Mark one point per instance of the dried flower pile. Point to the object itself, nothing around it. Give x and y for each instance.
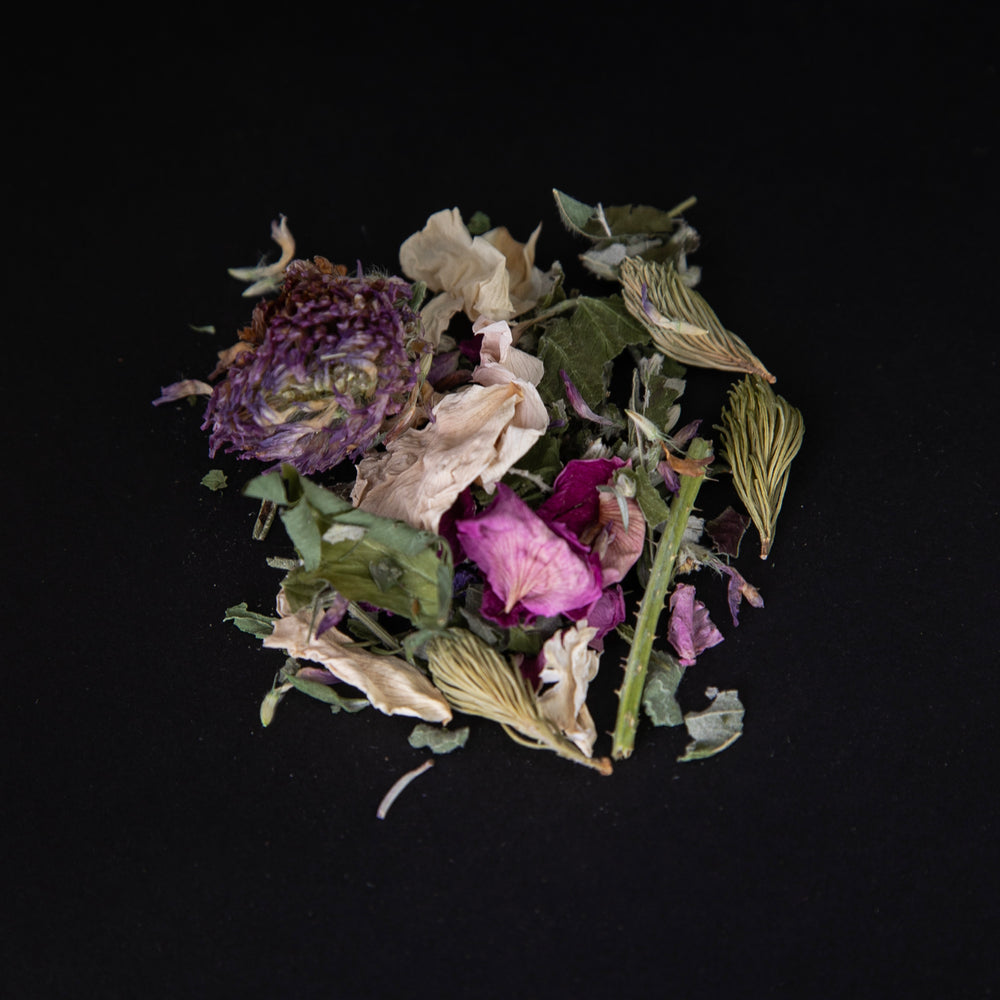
(472, 513)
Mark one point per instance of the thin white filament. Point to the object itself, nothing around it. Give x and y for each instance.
(397, 788)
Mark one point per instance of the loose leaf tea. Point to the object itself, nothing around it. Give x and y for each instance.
(478, 506)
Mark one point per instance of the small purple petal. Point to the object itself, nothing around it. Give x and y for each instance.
(686, 433)
(670, 478)
(605, 614)
(334, 615)
(690, 630)
(579, 404)
(737, 589)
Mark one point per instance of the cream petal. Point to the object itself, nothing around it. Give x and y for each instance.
(392, 685)
(477, 434)
(570, 666)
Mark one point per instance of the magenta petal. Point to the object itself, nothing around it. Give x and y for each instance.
(525, 561)
(690, 631)
(574, 500)
(605, 614)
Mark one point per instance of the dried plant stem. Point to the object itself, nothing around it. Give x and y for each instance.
(660, 578)
(761, 433)
(477, 680)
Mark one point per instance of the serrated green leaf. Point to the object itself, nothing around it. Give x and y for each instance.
(659, 695)
(438, 739)
(215, 479)
(249, 621)
(714, 728)
(583, 344)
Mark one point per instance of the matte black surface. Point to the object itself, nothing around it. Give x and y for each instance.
(161, 844)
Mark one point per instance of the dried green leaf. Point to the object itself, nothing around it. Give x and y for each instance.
(583, 345)
(680, 322)
(215, 479)
(761, 433)
(437, 738)
(714, 728)
(249, 621)
(367, 558)
(654, 508)
(659, 695)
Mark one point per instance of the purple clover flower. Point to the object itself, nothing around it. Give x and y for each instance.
(334, 356)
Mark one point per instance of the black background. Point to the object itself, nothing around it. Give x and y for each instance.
(161, 843)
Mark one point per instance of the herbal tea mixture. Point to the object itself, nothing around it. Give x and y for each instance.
(500, 515)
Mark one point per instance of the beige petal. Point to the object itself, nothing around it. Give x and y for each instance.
(497, 350)
(570, 666)
(392, 685)
(448, 258)
(477, 433)
(527, 283)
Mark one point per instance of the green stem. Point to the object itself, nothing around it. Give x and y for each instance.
(660, 578)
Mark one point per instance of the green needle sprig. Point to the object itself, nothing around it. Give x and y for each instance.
(761, 434)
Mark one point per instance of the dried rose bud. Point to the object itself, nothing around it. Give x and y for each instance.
(330, 358)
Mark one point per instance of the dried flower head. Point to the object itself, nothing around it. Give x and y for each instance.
(329, 359)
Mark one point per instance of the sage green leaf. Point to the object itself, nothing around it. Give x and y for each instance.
(215, 479)
(327, 694)
(659, 695)
(386, 573)
(366, 558)
(583, 345)
(714, 728)
(304, 533)
(249, 621)
(654, 508)
(269, 486)
(577, 216)
(438, 739)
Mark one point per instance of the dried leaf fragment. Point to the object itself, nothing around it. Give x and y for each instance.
(714, 728)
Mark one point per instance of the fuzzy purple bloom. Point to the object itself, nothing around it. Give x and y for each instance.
(690, 630)
(333, 358)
